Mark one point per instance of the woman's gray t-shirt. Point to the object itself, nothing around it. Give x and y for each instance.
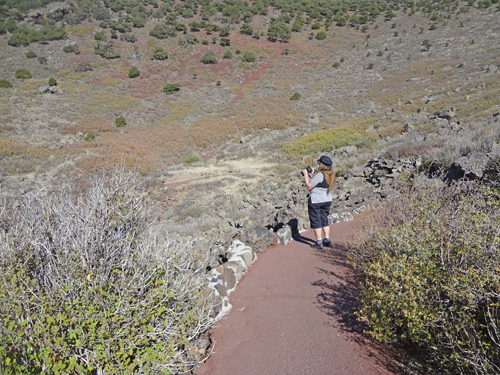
(319, 194)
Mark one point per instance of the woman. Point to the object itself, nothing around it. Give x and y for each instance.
(320, 200)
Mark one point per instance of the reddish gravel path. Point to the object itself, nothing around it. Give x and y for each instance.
(293, 314)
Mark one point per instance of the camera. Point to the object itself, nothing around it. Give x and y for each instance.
(309, 170)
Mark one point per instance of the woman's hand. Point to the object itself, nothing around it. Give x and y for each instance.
(306, 178)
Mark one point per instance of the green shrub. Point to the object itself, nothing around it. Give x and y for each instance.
(370, 66)
(225, 42)
(228, 55)
(208, 58)
(71, 48)
(204, 42)
(133, 72)
(30, 54)
(279, 30)
(171, 88)
(218, 83)
(42, 60)
(159, 53)
(90, 136)
(100, 36)
(433, 27)
(321, 35)
(327, 140)
(336, 64)
(430, 263)
(342, 59)
(248, 57)
(90, 289)
(237, 51)
(161, 31)
(106, 50)
(52, 82)
(128, 37)
(5, 84)
(316, 26)
(23, 74)
(191, 159)
(120, 122)
(23, 36)
(295, 96)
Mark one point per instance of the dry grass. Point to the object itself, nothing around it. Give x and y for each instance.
(107, 101)
(93, 123)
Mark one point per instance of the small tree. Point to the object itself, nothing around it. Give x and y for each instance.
(133, 72)
(246, 29)
(208, 58)
(248, 57)
(225, 42)
(22, 74)
(100, 36)
(321, 35)
(52, 82)
(159, 53)
(171, 88)
(316, 26)
(228, 55)
(120, 122)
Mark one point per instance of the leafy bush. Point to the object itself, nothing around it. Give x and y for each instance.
(218, 83)
(71, 48)
(327, 140)
(248, 57)
(336, 64)
(191, 159)
(128, 37)
(316, 26)
(23, 36)
(171, 88)
(100, 36)
(22, 74)
(228, 55)
(52, 82)
(91, 289)
(133, 72)
(370, 66)
(159, 53)
(225, 42)
(42, 60)
(204, 42)
(120, 122)
(246, 29)
(161, 31)
(279, 30)
(208, 58)
(5, 84)
(106, 50)
(295, 96)
(433, 27)
(90, 136)
(30, 54)
(430, 262)
(321, 35)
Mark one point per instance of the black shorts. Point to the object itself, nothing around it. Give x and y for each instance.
(318, 214)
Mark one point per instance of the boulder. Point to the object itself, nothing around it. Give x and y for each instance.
(471, 167)
(285, 235)
(259, 237)
(238, 250)
(447, 114)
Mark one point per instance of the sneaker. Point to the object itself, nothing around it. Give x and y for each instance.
(317, 246)
(327, 244)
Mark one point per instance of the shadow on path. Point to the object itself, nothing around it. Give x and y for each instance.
(338, 299)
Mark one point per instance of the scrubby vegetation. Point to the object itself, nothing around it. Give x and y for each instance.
(209, 58)
(430, 262)
(52, 82)
(120, 122)
(133, 72)
(30, 54)
(22, 74)
(86, 286)
(171, 88)
(5, 84)
(159, 53)
(190, 159)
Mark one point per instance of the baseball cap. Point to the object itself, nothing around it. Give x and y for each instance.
(325, 160)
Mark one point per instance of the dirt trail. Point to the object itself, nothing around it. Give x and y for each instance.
(293, 314)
